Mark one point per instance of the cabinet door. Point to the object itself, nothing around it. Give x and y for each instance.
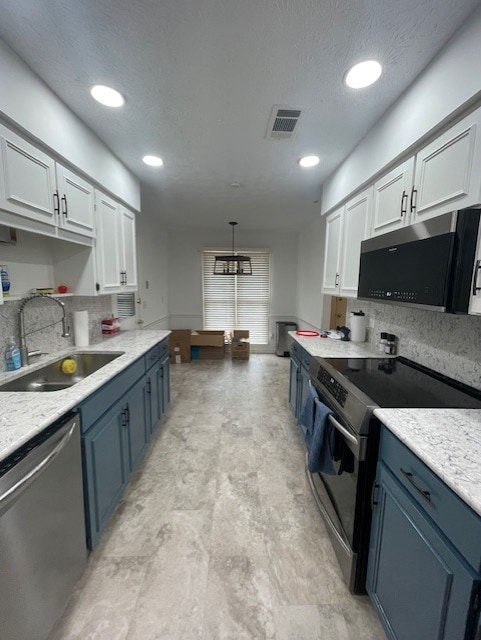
(294, 385)
(77, 205)
(154, 398)
(138, 434)
(332, 252)
(108, 244)
(303, 389)
(418, 583)
(128, 250)
(28, 182)
(105, 452)
(357, 220)
(391, 199)
(165, 383)
(448, 171)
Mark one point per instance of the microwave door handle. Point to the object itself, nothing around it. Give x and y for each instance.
(475, 277)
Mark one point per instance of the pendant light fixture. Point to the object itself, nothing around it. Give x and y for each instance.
(232, 265)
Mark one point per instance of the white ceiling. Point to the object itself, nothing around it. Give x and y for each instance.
(201, 77)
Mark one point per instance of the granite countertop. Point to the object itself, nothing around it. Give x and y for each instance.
(329, 348)
(24, 414)
(448, 441)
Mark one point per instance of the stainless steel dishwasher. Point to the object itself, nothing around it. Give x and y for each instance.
(42, 530)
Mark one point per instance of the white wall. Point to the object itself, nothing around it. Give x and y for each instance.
(448, 85)
(185, 281)
(31, 105)
(312, 306)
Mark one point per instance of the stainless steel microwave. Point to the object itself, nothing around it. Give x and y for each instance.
(428, 264)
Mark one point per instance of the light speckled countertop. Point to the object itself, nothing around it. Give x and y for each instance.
(24, 414)
(448, 441)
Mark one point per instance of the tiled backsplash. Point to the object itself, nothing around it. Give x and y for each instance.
(450, 344)
(40, 313)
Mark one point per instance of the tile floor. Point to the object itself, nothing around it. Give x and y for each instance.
(217, 536)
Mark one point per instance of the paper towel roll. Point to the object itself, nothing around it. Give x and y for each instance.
(81, 328)
(358, 326)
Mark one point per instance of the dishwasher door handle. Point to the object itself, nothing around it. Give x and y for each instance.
(15, 491)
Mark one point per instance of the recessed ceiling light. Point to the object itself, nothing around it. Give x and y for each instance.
(363, 74)
(153, 161)
(107, 96)
(309, 161)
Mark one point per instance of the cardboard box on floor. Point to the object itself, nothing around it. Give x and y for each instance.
(179, 346)
(201, 338)
(240, 347)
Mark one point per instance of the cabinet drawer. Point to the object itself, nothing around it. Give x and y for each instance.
(296, 350)
(305, 359)
(453, 516)
(151, 357)
(102, 399)
(163, 349)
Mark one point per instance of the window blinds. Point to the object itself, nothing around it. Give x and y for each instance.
(238, 302)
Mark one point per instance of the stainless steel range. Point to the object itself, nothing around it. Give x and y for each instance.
(352, 388)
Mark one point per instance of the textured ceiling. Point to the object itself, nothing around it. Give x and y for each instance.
(201, 77)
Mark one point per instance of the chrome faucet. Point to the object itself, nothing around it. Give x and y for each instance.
(24, 353)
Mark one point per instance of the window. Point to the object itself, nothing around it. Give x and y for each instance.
(238, 302)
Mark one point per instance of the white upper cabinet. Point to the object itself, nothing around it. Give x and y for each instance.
(40, 195)
(392, 195)
(115, 250)
(28, 181)
(357, 220)
(448, 170)
(129, 251)
(75, 202)
(443, 176)
(332, 252)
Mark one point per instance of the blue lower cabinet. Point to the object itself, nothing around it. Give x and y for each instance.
(294, 374)
(138, 433)
(105, 460)
(165, 382)
(117, 423)
(154, 397)
(419, 583)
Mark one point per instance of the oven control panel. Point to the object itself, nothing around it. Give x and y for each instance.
(335, 389)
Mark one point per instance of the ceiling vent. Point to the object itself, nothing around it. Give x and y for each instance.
(283, 122)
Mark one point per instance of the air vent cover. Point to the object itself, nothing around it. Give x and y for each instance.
(283, 122)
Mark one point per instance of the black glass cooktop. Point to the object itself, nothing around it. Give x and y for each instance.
(400, 383)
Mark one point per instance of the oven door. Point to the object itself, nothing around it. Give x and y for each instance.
(339, 497)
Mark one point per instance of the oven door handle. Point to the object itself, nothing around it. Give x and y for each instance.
(343, 430)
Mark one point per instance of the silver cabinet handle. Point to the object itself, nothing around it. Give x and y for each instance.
(19, 487)
(413, 202)
(64, 205)
(337, 279)
(475, 278)
(342, 430)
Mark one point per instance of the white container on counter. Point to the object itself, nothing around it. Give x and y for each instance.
(358, 321)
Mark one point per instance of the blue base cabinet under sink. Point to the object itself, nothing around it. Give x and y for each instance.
(425, 554)
(117, 424)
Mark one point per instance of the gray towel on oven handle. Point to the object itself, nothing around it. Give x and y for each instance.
(320, 441)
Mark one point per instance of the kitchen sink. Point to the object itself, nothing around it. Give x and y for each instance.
(51, 377)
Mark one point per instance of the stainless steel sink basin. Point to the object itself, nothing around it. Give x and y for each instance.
(51, 377)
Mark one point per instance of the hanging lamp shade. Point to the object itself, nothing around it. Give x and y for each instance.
(233, 264)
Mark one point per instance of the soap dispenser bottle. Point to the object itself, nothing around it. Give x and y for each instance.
(12, 355)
